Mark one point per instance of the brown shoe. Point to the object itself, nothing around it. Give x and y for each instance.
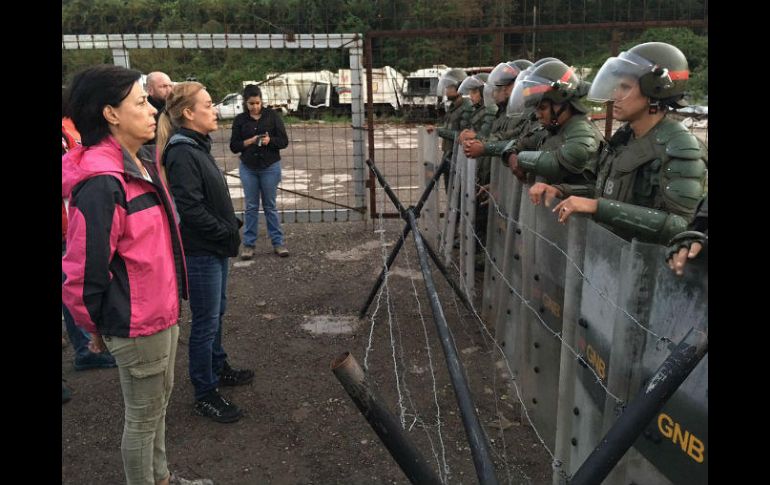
(281, 251)
(247, 252)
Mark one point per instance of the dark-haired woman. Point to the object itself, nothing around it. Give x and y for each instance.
(124, 265)
(258, 134)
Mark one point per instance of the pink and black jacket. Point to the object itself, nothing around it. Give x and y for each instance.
(124, 267)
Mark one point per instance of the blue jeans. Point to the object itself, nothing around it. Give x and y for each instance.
(261, 184)
(207, 281)
(79, 338)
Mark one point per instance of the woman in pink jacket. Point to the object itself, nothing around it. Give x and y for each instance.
(124, 265)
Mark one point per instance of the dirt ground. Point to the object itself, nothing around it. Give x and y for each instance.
(300, 427)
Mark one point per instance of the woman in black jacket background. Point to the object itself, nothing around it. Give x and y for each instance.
(209, 235)
(259, 135)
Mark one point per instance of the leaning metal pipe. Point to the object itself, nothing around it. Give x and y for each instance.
(408, 457)
(444, 271)
(479, 448)
(386, 187)
(400, 243)
(643, 408)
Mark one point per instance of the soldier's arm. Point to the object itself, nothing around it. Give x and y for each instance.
(447, 133)
(575, 155)
(579, 190)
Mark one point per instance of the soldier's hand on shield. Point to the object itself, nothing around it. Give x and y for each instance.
(513, 164)
(574, 204)
(473, 148)
(541, 189)
(467, 134)
(678, 260)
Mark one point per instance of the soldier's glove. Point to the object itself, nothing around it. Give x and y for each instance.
(685, 240)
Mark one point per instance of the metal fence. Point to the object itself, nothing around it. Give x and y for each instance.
(422, 55)
(584, 319)
(322, 167)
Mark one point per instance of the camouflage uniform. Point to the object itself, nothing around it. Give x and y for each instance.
(648, 188)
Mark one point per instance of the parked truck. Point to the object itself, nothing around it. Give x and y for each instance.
(420, 89)
(335, 92)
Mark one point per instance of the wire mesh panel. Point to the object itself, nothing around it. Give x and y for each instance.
(316, 93)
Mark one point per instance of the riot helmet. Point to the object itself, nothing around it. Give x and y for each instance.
(471, 82)
(660, 70)
(504, 74)
(451, 78)
(553, 81)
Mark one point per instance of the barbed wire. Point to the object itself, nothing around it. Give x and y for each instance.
(510, 371)
(444, 477)
(540, 319)
(603, 295)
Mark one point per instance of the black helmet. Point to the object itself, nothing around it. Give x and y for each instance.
(552, 80)
(660, 69)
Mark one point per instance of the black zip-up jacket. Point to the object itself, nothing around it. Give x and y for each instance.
(253, 156)
(207, 219)
(160, 106)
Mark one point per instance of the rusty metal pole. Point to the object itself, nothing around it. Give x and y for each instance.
(386, 187)
(407, 456)
(482, 460)
(498, 46)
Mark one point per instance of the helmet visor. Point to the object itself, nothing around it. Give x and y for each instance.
(527, 94)
(470, 83)
(451, 78)
(503, 74)
(618, 76)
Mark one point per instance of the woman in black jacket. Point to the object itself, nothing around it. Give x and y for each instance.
(259, 135)
(210, 236)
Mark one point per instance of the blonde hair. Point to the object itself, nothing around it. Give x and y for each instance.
(182, 97)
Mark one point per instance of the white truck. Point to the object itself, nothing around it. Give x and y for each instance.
(420, 88)
(230, 106)
(335, 92)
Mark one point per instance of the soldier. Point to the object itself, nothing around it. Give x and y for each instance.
(447, 86)
(567, 152)
(478, 117)
(653, 172)
(497, 90)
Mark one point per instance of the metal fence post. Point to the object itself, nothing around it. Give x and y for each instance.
(357, 112)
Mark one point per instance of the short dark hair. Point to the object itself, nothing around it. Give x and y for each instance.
(250, 91)
(90, 91)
